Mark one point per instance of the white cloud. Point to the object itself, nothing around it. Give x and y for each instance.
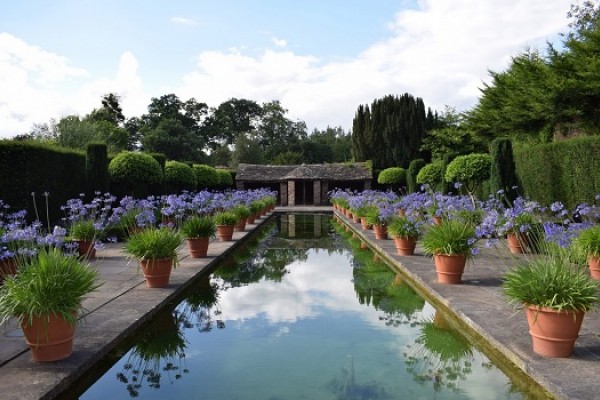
(183, 21)
(440, 52)
(38, 85)
(279, 42)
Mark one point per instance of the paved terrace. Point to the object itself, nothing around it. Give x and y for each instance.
(477, 306)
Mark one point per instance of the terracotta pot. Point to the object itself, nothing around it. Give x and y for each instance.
(225, 232)
(363, 245)
(86, 248)
(594, 264)
(380, 232)
(365, 224)
(241, 225)
(450, 267)
(50, 337)
(8, 266)
(356, 218)
(157, 271)
(250, 219)
(437, 220)
(553, 333)
(198, 247)
(348, 213)
(516, 242)
(405, 246)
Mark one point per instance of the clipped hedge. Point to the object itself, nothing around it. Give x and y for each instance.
(27, 168)
(395, 176)
(431, 174)
(225, 179)
(179, 176)
(503, 172)
(411, 176)
(206, 177)
(567, 171)
(132, 173)
(96, 169)
(470, 169)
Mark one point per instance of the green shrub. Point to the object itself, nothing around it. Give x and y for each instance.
(206, 176)
(178, 177)
(225, 178)
(135, 171)
(470, 170)
(394, 176)
(411, 176)
(430, 174)
(96, 168)
(503, 172)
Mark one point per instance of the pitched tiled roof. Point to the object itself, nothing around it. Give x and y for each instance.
(331, 172)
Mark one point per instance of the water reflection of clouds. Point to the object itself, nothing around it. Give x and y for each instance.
(323, 281)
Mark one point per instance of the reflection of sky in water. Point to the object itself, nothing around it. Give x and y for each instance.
(307, 337)
(323, 283)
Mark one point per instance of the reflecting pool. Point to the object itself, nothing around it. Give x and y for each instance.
(300, 314)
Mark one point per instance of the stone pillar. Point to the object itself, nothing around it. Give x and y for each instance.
(291, 188)
(283, 193)
(291, 225)
(317, 225)
(317, 193)
(324, 190)
(368, 184)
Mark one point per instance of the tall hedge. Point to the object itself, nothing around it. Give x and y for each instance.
(96, 169)
(567, 171)
(471, 170)
(411, 175)
(503, 175)
(27, 168)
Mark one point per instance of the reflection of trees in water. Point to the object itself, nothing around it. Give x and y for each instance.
(440, 355)
(201, 306)
(159, 350)
(377, 285)
(347, 387)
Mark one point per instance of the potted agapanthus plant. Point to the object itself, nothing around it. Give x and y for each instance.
(85, 234)
(197, 231)
(451, 244)
(555, 295)
(242, 212)
(378, 217)
(225, 222)
(405, 231)
(156, 250)
(46, 299)
(589, 243)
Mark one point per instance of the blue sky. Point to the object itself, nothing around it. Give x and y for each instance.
(320, 58)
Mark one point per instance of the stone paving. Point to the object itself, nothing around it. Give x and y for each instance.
(476, 306)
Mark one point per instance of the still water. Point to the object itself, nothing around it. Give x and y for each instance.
(301, 312)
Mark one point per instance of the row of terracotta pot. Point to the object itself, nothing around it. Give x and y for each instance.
(553, 333)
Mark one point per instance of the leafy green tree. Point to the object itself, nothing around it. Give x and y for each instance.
(75, 133)
(174, 127)
(276, 133)
(450, 137)
(110, 111)
(288, 158)
(247, 151)
(329, 145)
(231, 119)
